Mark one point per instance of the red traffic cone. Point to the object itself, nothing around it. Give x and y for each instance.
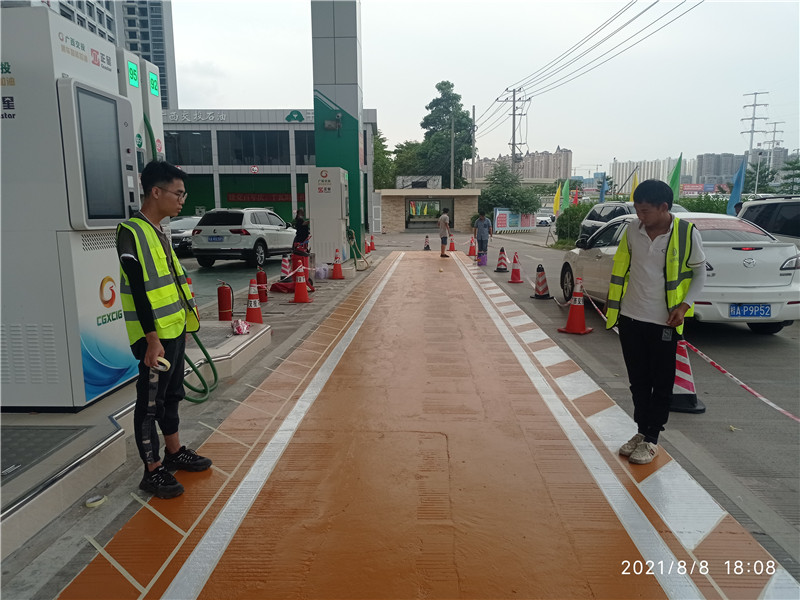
(337, 267)
(261, 282)
(285, 269)
(372, 243)
(473, 251)
(684, 395)
(427, 247)
(300, 287)
(366, 247)
(502, 262)
(253, 305)
(540, 290)
(576, 321)
(452, 247)
(516, 274)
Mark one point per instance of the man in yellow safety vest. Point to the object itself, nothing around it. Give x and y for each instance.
(159, 309)
(659, 269)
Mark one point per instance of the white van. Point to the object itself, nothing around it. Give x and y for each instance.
(779, 215)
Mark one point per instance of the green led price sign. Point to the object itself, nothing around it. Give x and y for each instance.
(154, 84)
(133, 74)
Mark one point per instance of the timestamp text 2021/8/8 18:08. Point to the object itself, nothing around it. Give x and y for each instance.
(683, 567)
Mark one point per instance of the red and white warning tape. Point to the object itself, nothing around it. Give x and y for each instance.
(718, 367)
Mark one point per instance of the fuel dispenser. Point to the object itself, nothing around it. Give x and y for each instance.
(327, 207)
(78, 122)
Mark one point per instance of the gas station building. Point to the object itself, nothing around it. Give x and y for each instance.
(254, 158)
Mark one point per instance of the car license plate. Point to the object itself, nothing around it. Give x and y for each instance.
(758, 311)
(215, 238)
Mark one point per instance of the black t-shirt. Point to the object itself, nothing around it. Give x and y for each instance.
(301, 225)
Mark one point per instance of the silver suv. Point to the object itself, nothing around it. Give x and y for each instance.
(778, 215)
(250, 234)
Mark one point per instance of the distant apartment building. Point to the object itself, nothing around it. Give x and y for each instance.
(145, 28)
(96, 17)
(718, 169)
(622, 171)
(535, 165)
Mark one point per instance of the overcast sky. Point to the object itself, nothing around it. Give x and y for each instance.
(680, 90)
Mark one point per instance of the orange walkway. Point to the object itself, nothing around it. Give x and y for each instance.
(423, 443)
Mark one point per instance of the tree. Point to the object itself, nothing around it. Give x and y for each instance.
(382, 165)
(790, 177)
(765, 177)
(408, 159)
(505, 191)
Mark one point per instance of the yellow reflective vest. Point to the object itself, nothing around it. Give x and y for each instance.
(677, 273)
(169, 302)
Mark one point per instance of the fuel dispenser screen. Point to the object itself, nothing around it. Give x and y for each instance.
(100, 147)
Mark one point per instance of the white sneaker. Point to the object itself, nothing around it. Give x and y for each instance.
(645, 452)
(628, 447)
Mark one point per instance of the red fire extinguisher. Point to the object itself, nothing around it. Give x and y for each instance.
(225, 301)
(261, 281)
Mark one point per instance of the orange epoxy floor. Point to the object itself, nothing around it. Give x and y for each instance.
(428, 467)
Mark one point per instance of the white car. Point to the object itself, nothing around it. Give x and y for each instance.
(751, 277)
(250, 234)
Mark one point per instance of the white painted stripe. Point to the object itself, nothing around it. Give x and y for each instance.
(114, 563)
(577, 384)
(614, 427)
(497, 299)
(548, 357)
(508, 308)
(685, 506)
(532, 335)
(781, 586)
(519, 320)
(194, 573)
(497, 292)
(641, 531)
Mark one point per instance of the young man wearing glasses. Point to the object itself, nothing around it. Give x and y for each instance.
(159, 310)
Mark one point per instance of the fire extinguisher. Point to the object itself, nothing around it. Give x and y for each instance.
(261, 281)
(225, 301)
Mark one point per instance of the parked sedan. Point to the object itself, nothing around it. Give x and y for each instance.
(751, 276)
(181, 233)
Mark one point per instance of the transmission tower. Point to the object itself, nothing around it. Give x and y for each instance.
(753, 120)
(774, 142)
(517, 98)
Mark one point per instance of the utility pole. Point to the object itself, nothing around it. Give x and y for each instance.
(753, 120)
(452, 150)
(473, 145)
(774, 142)
(514, 115)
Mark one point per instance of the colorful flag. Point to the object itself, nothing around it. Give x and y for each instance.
(738, 184)
(425, 209)
(575, 196)
(635, 183)
(411, 204)
(603, 189)
(557, 200)
(675, 180)
(565, 191)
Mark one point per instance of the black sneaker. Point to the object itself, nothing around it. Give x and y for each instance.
(161, 483)
(186, 459)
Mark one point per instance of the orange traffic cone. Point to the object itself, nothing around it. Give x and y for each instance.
(684, 395)
(372, 243)
(452, 247)
(253, 305)
(427, 247)
(366, 247)
(502, 262)
(576, 321)
(189, 283)
(261, 282)
(516, 275)
(337, 267)
(540, 290)
(285, 269)
(300, 287)
(472, 248)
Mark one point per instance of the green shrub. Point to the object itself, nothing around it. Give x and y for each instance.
(568, 223)
(705, 203)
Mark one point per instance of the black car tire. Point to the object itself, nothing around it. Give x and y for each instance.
(765, 328)
(205, 262)
(567, 282)
(259, 256)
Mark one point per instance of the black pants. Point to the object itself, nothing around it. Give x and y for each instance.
(483, 245)
(649, 352)
(157, 396)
